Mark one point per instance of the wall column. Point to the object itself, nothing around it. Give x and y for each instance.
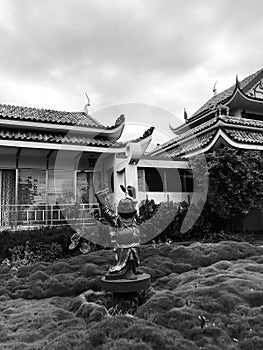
(0, 198)
(132, 176)
(16, 186)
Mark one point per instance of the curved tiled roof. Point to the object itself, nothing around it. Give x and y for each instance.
(48, 116)
(245, 136)
(58, 138)
(242, 121)
(238, 135)
(186, 134)
(66, 138)
(188, 146)
(222, 96)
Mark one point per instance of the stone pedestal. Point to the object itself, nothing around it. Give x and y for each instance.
(119, 286)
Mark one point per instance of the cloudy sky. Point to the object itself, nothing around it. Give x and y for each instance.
(147, 58)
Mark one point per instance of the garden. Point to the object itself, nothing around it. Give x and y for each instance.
(207, 285)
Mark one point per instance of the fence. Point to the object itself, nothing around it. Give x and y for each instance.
(14, 216)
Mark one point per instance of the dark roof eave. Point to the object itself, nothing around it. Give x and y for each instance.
(112, 132)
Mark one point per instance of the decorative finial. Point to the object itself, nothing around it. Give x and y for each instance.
(237, 82)
(148, 132)
(87, 104)
(120, 120)
(185, 116)
(214, 89)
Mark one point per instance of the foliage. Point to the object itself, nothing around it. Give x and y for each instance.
(46, 251)
(30, 253)
(235, 187)
(147, 209)
(45, 235)
(223, 287)
(165, 219)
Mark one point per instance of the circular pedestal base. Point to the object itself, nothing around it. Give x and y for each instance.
(142, 282)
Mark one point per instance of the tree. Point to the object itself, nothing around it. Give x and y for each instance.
(235, 187)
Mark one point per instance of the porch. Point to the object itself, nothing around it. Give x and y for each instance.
(38, 188)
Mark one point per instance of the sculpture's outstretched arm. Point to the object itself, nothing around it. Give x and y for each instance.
(106, 211)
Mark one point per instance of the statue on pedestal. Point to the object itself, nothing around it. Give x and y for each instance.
(124, 232)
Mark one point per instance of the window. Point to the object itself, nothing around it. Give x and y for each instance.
(187, 179)
(61, 188)
(31, 186)
(150, 180)
(173, 180)
(141, 179)
(164, 180)
(153, 180)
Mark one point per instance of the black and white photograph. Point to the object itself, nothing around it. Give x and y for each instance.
(131, 175)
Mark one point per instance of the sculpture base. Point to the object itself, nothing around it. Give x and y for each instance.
(142, 282)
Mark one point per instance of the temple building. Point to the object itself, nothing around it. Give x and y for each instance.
(52, 160)
(233, 117)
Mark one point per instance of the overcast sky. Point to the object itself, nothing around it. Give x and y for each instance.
(166, 54)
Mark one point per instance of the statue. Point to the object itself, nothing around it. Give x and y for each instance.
(124, 232)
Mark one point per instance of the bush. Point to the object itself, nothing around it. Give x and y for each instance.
(163, 220)
(45, 235)
(30, 253)
(46, 251)
(154, 218)
(235, 187)
(235, 190)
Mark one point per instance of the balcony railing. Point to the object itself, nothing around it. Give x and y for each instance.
(16, 216)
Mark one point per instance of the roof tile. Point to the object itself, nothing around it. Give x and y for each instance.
(48, 116)
(191, 145)
(219, 98)
(245, 136)
(53, 138)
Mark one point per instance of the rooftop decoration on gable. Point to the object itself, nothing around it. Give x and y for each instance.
(234, 117)
(244, 85)
(257, 90)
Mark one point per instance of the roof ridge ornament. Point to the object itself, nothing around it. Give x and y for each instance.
(237, 82)
(214, 89)
(86, 110)
(148, 132)
(120, 120)
(257, 90)
(185, 116)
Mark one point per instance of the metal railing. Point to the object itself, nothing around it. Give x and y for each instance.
(16, 216)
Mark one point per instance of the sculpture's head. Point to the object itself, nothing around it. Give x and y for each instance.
(127, 208)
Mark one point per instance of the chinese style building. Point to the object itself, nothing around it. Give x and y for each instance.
(52, 159)
(233, 117)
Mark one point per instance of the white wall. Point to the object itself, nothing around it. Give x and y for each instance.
(131, 178)
(159, 197)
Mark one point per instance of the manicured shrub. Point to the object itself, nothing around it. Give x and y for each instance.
(45, 235)
(30, 253)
